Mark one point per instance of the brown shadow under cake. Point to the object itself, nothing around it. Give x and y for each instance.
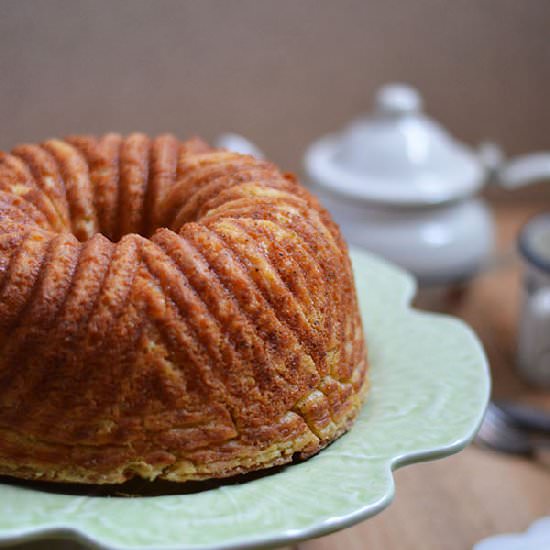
(138, 487)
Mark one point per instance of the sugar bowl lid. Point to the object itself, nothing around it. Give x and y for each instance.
(395, 156)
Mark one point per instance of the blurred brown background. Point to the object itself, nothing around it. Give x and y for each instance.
(280, 72)
(283, 72)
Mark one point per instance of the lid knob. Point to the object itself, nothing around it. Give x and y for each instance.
(397, 99)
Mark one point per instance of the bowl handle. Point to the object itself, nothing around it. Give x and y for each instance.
(524, 170)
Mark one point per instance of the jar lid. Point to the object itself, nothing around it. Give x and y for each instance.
(395, 156)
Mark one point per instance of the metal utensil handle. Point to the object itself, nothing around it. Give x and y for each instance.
(526, 416)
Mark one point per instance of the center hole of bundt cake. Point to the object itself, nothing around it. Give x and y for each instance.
(112, 185)
(123, 213)
(126, 223)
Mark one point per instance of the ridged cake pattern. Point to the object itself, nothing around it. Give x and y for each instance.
(168, 310)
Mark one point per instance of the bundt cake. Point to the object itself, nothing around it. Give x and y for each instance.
(168, 310)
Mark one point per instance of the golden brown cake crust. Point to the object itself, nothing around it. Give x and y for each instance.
(168, 310)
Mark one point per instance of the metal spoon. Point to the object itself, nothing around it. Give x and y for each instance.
(502, 434)
(524, 416)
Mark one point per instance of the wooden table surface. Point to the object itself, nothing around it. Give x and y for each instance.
(452, 503)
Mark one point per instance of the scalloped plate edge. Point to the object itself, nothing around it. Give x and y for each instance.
(404, 293)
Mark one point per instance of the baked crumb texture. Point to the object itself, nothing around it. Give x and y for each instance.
(168, 310)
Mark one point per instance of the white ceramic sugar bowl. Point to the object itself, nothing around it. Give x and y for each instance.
(399, 185)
